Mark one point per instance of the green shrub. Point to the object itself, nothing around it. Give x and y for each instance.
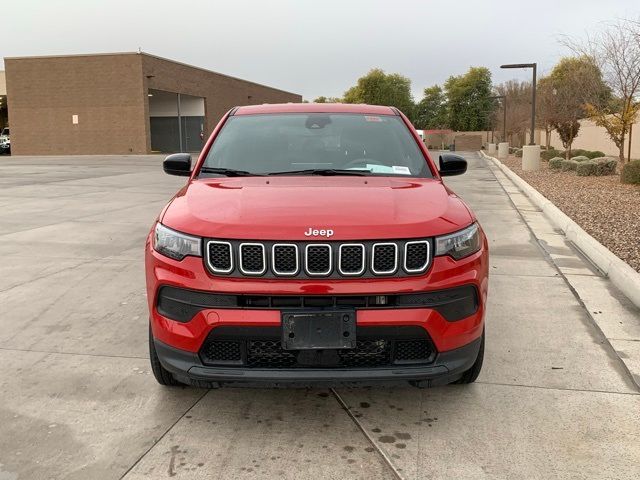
(569, 165)
(597, 167)
(518, 152)
(549, 154)
(631, 172)
(580, 158)
(586, 169)
(595, 154)
(556, 163)
(578, 152)
(605, 166)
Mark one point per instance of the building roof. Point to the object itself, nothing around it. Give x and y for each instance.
(147, 55)
(315, 108)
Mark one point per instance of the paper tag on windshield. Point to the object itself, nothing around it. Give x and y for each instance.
(401, 170)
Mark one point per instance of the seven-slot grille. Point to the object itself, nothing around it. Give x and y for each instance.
(318, 260)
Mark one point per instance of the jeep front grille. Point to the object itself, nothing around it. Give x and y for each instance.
(269, 259)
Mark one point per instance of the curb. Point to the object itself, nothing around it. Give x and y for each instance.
(625, 278)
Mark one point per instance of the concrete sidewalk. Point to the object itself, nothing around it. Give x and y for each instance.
(608, 287)
(77, 399)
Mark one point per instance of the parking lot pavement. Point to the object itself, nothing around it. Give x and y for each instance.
(77, 399)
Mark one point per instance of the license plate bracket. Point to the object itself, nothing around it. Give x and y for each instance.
(319, 330)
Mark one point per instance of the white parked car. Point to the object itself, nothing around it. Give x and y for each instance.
(5, 141)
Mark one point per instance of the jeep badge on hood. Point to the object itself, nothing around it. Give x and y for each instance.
(312, 232)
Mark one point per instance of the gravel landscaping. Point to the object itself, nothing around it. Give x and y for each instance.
(607, 209)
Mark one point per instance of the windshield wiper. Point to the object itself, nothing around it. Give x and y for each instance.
(230, 172)
(323, 171)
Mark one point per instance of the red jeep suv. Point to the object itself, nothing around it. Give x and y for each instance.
(316, 243)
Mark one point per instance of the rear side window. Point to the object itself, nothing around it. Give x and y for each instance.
(372, 144)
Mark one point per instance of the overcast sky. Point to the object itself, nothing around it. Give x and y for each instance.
(313, 47)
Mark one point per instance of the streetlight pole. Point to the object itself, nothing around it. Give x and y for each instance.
(533, 106)
(504, 114)
(533, 94)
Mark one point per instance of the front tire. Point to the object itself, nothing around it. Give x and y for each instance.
(162, 375)
(471, 375)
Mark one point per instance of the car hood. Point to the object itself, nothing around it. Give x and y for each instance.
(283, 208)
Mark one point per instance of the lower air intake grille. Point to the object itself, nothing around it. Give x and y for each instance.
(412, 351)
(221, 351)
(260, 347)
(268, 354)
(368, 353)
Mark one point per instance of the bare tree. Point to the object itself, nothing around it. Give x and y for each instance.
(545, 108)
(518, 96)
(616, 51)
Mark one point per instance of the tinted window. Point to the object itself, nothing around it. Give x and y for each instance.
(373, 144)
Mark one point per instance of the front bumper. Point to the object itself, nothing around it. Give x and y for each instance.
(188, 368)
(181, 328)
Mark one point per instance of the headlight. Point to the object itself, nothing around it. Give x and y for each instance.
(459, 244)
(174, 244)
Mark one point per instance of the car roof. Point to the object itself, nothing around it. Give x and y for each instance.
(315, 108)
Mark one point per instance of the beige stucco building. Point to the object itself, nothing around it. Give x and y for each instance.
(3, 101)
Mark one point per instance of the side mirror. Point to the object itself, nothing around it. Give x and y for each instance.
(177, 164)
(451, 164)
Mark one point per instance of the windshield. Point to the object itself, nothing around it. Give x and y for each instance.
(5, 132)
(316, 143)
